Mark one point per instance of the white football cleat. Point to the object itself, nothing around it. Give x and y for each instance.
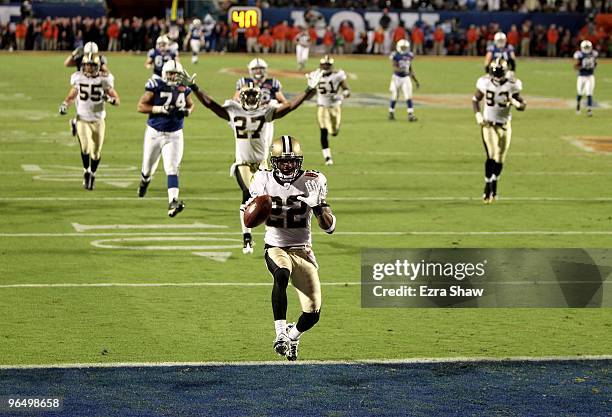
(329, 161)
(247, 247)
(281, 344)
(292, 351)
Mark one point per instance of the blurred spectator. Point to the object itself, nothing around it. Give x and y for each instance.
(472, 38)
(513, 37)
(379, 39)
(21, 32)
(251, 34)
(113, 35)
(348, 35)
(418, 37)
(329, 40)
(438, 37)
(552, 37)
(399, 33)
(280, 34)
(266, 41)
(526, 38)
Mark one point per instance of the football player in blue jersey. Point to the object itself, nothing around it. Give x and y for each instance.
(167, 103)
(500, 49)
(585, 61)
(194, 38)
(403, 73)
(158, 56)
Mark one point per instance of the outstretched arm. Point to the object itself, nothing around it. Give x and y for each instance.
(478, 96)
(413, 76)
(63, 109)
(287, 107)
(112, 97)
(205, 99)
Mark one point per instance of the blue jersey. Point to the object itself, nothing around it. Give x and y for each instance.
(586, 62)
(164, 94)
(195, 32)
(506, 53)
(402, 63)
(269, 87)
(159, 59)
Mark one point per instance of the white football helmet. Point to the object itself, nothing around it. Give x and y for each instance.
(586, 46)
(162, 43)
(90, 48)
(258, 69)
(197, 22)
(499, 39)
(171, 72)
(402, 46)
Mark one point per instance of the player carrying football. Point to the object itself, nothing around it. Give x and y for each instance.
(500, 93)
(91, 88)
(247, 118)
(158, 56)
(329, 100)
(403, 72)
(271, 92)
(167, 103)
(585, 61)
(296, 195)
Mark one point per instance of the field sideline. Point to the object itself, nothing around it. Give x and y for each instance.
(393, 185)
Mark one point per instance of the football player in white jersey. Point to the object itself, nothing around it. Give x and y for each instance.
(585, 61)
(248, 119)
(91, 89)
(329, 100)
(271, 92)
(302, 47)
(296, 195)
(500, 93)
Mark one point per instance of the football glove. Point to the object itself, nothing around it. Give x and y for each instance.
(314, 194)
(188, 80)
(110, 100)
(63, 108)
(479, 118)
(518, 104)
(184, 111)
(313, 79)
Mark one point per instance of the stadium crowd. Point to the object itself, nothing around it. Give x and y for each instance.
(443, 38)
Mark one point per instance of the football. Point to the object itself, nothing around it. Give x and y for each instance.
(257, 211)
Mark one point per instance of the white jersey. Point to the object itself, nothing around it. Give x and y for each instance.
(290, 220)
(303, 39)
(497, 97)
(328, 91)
(90, 99)
(250, 128)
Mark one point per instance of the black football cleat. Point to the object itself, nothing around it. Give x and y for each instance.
(412, 117)
(175, 207)
(86, 176)
(247, 247)
(91, 183)
(142, 188)
(391, 115)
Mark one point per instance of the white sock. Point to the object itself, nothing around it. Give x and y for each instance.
(244, 228)
(410, 110)
(326, 153)
(172, 194)
(391, 110)
(294, 334)
(279, 326)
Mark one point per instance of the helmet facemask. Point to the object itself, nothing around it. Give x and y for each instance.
(258, 73)
(586, 47)
(500, 40)
(171, 77)
(91, 65)
(250, 97)
(498, 69)
(402, 46)
(287, 166)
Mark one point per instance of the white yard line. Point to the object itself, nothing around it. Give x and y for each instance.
(410, 361)
(335, 198)
(167, 236)
(158, 284)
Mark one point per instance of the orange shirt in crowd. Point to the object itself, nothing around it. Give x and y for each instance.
(328, 38)
(20, 31)
(439, 35)
(417, 36)
(280, 31)
(348, 34)
(472, 35)
(552, 35)
(266, 40)
(113, 31)
(379, 36)
(513, 37)
(312, 32)
(292, 33)
(399, 33)
(251, 32)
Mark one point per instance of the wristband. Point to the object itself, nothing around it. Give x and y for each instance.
(194, 88)
(317, 210)
(158, 110)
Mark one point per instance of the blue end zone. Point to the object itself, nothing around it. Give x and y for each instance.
(565, 388)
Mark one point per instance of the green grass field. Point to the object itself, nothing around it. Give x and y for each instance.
(421, 181)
